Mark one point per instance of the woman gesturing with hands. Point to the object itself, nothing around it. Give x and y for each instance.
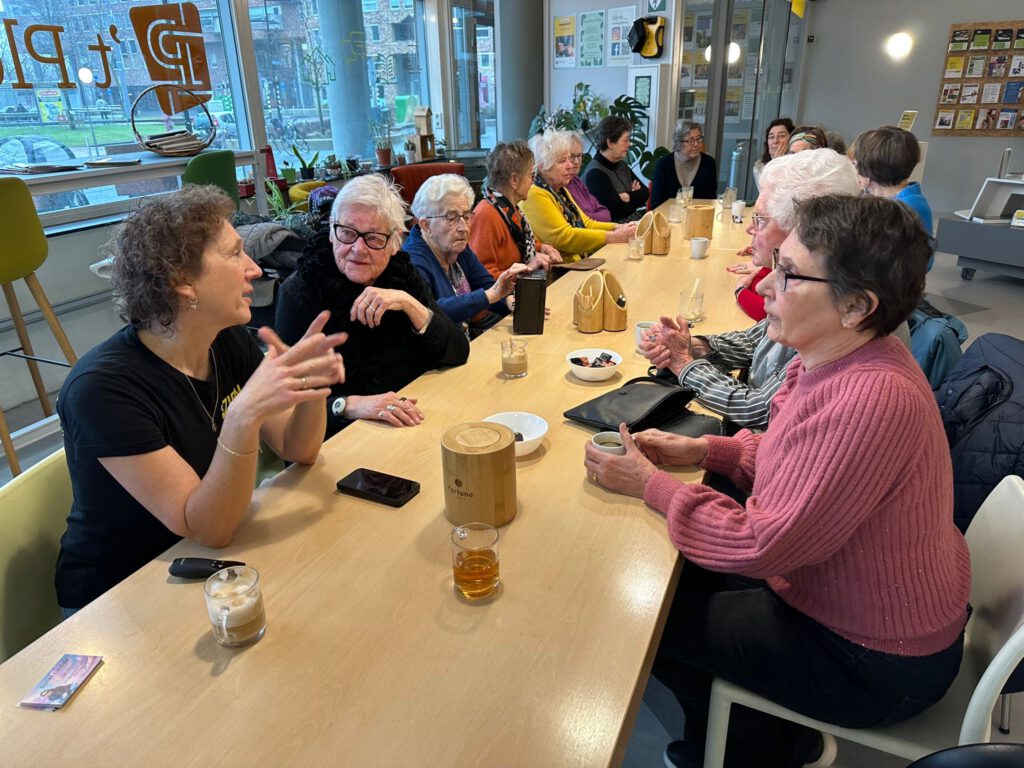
(163, 421)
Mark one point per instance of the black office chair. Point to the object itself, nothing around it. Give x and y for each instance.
(989, 755)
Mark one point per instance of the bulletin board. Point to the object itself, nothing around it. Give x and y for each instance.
(982, 88)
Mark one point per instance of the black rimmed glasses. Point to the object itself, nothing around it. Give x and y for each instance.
(453, 217)
(760, 222)
(576, 157)
(375, 241)
(782, 277)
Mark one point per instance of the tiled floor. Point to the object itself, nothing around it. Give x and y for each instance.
(989, 303)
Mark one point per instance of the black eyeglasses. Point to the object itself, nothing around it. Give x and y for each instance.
(782, 277)
(375, 241)
(452, 217)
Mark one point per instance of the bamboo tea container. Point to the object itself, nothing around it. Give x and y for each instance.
(614, 314)
(700, 220)
(661, 235)
(645, 230)
(588, 304)
(478, 461)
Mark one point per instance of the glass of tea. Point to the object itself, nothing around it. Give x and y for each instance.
(475, 560)
(234, 603)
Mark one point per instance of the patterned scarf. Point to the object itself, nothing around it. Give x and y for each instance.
(565, 202)
(517, 224)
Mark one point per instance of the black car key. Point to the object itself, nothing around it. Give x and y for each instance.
(199, 567)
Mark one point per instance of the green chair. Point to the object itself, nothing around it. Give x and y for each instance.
(217, 168)
(22, 251)
(33, 513)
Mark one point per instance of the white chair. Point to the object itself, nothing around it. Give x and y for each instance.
(993, 647)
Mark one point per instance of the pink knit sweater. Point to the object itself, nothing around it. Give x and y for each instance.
(850, 516)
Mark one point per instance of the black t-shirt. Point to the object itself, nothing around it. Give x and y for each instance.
(123, 400)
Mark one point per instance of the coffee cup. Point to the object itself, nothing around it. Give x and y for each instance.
(699, 247)
(234, 603)
(641, 332)
(738, 209)
(609, 442)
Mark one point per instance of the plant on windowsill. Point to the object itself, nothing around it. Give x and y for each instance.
(246, 187)
(306, 167)
(380, 131)
(410, 151)
(288, 173)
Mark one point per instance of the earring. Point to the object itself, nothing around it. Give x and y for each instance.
(193, 303)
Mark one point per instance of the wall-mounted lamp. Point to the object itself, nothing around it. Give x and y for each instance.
(898, 46)
(734, 53)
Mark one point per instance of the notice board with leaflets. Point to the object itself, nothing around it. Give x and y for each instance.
(981, 92)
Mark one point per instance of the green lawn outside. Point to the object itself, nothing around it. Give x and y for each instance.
(81, 135)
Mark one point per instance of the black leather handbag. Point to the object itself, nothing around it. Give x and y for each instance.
(644, 403)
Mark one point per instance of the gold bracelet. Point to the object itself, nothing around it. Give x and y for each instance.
(257, 449)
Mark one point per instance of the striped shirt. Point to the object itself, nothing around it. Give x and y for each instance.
(744, 404)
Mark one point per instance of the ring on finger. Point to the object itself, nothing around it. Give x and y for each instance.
(403, 399)
(381, 415)
(391, 408)
(302, 382)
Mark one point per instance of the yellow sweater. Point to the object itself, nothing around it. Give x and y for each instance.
(549, 225)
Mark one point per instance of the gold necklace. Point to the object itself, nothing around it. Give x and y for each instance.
(216, 392)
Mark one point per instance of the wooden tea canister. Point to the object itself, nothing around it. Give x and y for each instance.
(700, 220)
(478, 460)
(661, 236)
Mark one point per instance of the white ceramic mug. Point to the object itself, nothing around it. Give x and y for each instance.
(699, 247)
(738, 209)
(640, 330)
(609, 442)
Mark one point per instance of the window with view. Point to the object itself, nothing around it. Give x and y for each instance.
(67, 92)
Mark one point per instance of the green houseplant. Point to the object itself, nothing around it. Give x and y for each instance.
(380, 131)
(306, 167)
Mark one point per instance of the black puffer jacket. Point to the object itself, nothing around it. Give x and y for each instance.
(982, 405)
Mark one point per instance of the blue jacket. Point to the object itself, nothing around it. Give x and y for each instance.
(912, 196)
(459, 308)
(935, 340)
(982, 407)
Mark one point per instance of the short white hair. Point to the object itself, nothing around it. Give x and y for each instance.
(430, 197)
(549, 146)
(377, 193)
(788, 179)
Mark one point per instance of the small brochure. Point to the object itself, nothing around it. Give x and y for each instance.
(33, 168)
(1018, 218)
(1002, 40)
(1007, 120)
(959, 40)
(965, 119)
(975, 66)
(981, 39)
(60, 683)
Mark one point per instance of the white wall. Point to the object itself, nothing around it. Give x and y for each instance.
(850, 85)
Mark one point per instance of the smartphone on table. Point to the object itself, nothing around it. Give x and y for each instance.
(377, 486)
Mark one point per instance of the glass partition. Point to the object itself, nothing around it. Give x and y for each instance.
(473, 74)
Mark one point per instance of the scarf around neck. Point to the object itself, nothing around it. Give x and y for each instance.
(565, 203)
(517, 224)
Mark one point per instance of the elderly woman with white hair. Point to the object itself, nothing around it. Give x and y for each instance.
(553, 213)
(438, 245)
(396, 331)
(703, 363)
(686, 166)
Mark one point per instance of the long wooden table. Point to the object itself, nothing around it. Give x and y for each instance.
(369, 658)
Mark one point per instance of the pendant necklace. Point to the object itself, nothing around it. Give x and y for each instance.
(216, 392)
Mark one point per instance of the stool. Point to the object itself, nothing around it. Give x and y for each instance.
(22, 251)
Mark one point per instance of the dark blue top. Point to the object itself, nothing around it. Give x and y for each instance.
(459, 308)
(665, 182)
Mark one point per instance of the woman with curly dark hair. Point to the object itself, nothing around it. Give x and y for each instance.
(776, 142)
(162, 421)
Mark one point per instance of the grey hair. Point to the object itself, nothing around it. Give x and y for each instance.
(683, 128)
(430, 197)
(548, 146)
(791, 178)
(377, 193)
(506, 160)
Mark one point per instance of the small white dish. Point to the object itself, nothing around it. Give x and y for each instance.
(593, 374)
(529, 425)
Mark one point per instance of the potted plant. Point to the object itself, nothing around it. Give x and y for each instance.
(353, 163)
(410, 150)
(246, 187)
(306, 167)
(380, 130)
(288, 173)
(332, 167)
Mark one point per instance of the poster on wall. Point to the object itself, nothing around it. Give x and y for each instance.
(686, 70)
(619, 22)
(565, 42)
(592, 39)
(944, 120)
(642, 85)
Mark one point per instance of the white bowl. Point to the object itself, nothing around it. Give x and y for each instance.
(593, 374)
(531, 427)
